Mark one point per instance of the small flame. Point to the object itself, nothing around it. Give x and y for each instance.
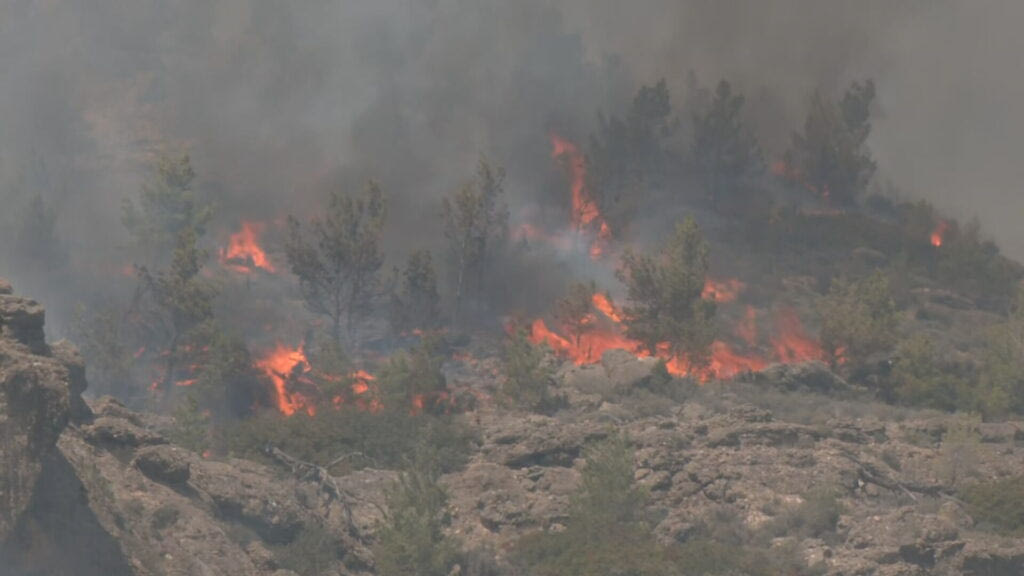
(939, 233)
(602, 303)
(279, 365)
(243, 253)
(722, 291)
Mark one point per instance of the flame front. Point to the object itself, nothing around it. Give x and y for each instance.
(791, 342)
(243, 253)
(607, 331)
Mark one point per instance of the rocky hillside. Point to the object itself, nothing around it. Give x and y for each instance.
(98, 489)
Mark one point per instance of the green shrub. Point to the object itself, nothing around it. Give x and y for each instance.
(385, 439)
(605, 533)
(528, 375)
(998, 505)
(313, 552)
(191, 428)
(411, 541)
(921, 378)
(858, 318)
(705, 557)
(414, 379)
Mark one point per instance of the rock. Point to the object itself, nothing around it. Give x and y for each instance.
(164, 464)
(21, 321)
(999, 432)
(69, 356)
(34, 405)
(252, 495)
(625, 371)
(813, 376)
(112, 431)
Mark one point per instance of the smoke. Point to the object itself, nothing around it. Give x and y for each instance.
(279, 102)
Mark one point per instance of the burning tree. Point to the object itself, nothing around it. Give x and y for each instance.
(417, 307)
(415, 378)
(665, 294)
(575, 311)
(167, 207)
(724, 150)
(475, 225)
(338, 270)
(831, 155)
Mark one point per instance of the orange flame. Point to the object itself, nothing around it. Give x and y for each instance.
(280, 365)
(585, 217)
(602, 303)
(939, 233)
(243, 253)
(791, 341)
(747, 329)
(722, 291)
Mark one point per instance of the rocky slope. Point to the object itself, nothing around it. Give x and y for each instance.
(99, 489)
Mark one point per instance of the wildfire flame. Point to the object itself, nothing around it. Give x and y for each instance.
(607, 331)
(243, 253)
(747, 329)
(722, 291)
(585, 217)
(791, 342)
(939, 233)
(280, 365)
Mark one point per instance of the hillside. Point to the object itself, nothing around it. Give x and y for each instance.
(791, 460)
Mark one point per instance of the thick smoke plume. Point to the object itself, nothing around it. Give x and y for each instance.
(279, 102)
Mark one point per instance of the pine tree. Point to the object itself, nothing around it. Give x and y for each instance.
(338, 269)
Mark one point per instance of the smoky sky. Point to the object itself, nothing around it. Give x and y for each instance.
(278, 102)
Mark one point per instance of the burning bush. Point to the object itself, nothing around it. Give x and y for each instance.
(665, 294)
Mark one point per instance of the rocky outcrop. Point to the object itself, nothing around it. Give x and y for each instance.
(97, 489)
(35, 389)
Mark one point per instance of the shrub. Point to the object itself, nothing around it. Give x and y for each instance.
(858, 318)
(411, 541)
(998, 505)
(528, 375)
(921, 379)
(191, 428)
(385, 439)
(415, 378)
(605, 533)
(311, 553)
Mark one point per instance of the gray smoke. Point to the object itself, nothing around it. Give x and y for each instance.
(278, 102)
